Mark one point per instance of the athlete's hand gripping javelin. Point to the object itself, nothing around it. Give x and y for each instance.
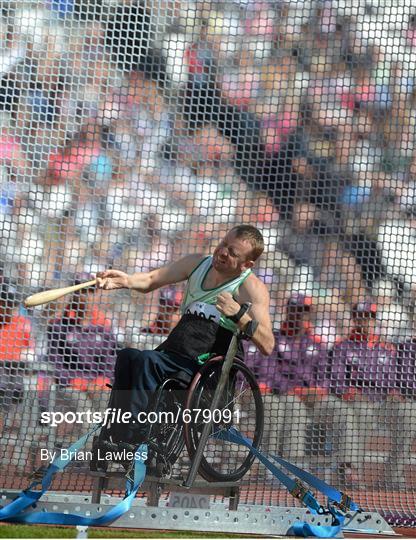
(112, 279)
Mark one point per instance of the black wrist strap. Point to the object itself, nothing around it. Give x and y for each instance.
(250, 329)
(242, 311)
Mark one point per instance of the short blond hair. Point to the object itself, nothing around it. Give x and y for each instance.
(252, 235)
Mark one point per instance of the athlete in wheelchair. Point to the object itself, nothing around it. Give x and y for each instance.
(183, 372)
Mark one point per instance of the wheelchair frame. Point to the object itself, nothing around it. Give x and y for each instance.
(227, 365)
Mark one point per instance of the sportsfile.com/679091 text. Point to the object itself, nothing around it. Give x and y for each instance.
(116, 416)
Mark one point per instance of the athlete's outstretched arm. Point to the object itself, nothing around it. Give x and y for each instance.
(149, 281)
(255, 291)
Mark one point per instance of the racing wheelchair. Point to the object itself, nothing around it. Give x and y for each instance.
(222, 394)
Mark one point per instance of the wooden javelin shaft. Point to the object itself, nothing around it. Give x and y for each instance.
(53, 294)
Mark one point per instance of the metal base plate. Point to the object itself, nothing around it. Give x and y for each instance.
(256, 519)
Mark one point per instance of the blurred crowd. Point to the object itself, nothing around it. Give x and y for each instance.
(133, 133)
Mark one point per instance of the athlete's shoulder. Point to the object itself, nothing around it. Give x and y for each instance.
(194, 261)
(254, 286)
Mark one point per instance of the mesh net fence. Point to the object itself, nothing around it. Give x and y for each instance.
(134, 133)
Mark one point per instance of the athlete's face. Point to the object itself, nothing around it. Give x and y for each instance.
(233, 255)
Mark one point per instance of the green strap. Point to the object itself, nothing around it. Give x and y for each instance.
(202, 358)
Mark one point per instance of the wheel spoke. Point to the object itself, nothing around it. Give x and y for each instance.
(222, 459)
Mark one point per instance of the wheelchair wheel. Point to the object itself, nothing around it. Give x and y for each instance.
(241, 405)
(165, 439)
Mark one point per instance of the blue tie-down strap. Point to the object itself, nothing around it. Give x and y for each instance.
(295, 488)
(29, 497)
(13, 511)
(340, 499)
